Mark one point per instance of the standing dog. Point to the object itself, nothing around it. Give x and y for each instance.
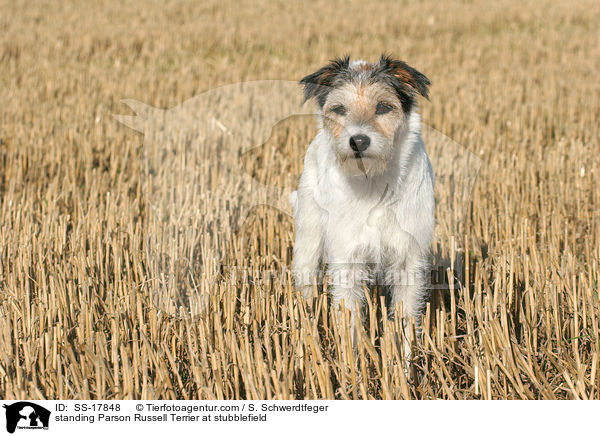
(364, 204)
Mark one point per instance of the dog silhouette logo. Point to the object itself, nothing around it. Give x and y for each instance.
(26, 415)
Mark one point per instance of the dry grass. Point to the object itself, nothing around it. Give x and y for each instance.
(90, 238)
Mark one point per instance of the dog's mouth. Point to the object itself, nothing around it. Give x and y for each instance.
(358, 157)
(357, 164)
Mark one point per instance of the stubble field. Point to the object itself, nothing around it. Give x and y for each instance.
(156, 264)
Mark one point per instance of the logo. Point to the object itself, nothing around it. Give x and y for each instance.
(26, 415)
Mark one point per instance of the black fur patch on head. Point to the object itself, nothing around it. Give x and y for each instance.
(404, 79)
(318, 84)
(401, 77)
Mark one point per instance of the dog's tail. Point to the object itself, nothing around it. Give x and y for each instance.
(294, 201)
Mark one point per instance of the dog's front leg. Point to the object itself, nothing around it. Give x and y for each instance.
(404, 266)
(347, 292)
(407, 286)
(308, 244)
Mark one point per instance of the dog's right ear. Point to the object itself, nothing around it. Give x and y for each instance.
(318, 84)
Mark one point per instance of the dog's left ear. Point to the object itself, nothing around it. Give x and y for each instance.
(406, 74)
(405, 80)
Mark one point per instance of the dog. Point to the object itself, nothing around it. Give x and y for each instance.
(364, 204)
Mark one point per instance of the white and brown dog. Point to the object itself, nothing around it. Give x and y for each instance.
(364, 204)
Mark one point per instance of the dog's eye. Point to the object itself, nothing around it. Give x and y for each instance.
(382, 108)
(339, 109)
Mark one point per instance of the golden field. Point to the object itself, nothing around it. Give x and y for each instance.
(120, 256)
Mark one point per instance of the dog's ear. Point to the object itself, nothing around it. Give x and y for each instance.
(406, 74)
(406, 80)
(318, 84)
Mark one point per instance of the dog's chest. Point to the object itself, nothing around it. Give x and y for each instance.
(350, 214)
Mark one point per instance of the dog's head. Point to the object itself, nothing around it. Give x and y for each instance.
(364, 107)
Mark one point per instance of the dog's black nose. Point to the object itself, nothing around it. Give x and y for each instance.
(359, 143)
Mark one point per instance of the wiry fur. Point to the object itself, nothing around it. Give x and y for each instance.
(368, 215)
